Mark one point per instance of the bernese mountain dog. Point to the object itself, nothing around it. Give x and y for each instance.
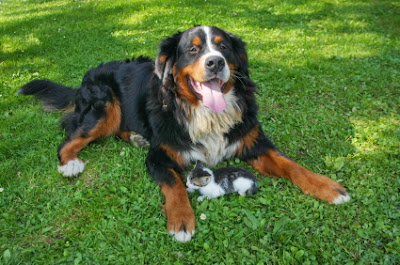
(195, 102)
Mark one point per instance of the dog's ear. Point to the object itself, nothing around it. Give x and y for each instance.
(239, 47)
(166, 56)
(163, 69)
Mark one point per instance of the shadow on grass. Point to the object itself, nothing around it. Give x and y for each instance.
(91, 33)
(102, 33)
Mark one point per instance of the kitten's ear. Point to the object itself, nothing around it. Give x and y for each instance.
(206, 180)
(198, 164)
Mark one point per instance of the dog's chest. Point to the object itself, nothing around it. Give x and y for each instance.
(207, 131)
(211, 150)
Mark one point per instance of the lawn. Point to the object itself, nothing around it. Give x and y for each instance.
(328, 75)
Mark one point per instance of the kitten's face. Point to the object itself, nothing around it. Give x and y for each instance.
(199, 177)
(200, 181)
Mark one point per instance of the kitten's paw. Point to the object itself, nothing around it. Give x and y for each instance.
(201, 198)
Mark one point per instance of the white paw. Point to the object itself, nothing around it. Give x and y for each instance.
(182, 236)
(341, 199)
(72, 168)
(200, 198)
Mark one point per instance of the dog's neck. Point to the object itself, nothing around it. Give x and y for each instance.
(207, 131)
(201, 121)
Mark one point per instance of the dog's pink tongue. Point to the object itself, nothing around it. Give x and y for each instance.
(213, 98)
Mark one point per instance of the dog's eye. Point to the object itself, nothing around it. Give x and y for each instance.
(193, 50)
(223, 47)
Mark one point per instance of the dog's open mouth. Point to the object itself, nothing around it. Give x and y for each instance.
(211, 92)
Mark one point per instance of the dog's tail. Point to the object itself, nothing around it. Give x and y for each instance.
(53, 96)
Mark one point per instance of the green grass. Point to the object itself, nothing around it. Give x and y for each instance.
(328, 75)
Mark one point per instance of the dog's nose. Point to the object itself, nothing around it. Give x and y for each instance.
(215, 64)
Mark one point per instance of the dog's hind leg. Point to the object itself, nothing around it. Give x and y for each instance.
(92, 125)
(133, 138)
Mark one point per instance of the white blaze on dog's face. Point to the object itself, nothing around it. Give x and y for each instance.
(204, 64)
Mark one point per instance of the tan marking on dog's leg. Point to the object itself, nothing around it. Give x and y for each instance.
(180, 216)
(70, 165)
(309, 182)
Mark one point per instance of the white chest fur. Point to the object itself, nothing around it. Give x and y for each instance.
(207, 128)
(211, 150)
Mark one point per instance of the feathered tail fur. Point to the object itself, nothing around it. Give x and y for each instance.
(53, 96)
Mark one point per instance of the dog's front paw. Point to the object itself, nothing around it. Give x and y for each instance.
(180, 215)
(326, 189)
(181, 224)
(342, 197)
